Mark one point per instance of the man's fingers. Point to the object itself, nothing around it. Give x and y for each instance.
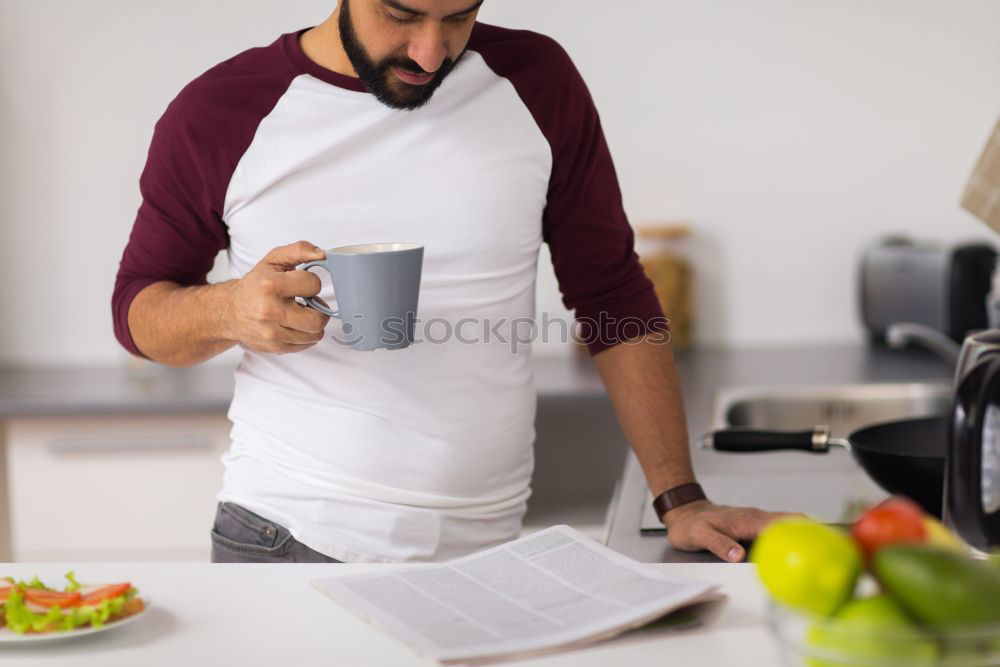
(743, 524)
(747, 527)
(272, 333)
(287, 257)
(720, 544)
(303, 318)
(296, 337)
(293, 283)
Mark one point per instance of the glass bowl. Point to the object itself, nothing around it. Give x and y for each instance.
(819, 642)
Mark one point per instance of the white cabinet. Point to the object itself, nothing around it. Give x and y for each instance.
(114, 488)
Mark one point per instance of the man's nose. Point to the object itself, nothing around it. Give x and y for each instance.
(427, 47)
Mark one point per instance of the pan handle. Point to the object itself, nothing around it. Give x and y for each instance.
(815, 440)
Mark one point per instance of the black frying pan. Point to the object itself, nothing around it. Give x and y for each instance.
(904, 457)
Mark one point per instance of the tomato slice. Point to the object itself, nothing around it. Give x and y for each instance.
(4, 592)
(51, 598)
(104, 592)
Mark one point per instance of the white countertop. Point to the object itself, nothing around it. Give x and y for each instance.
(204, 614)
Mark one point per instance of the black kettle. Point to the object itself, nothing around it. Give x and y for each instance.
(972, 468)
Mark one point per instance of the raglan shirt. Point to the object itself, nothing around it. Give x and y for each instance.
(423, 453)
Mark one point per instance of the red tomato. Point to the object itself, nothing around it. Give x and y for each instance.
(4, 592)
(51, 598)
(104, 592)
(897, 520)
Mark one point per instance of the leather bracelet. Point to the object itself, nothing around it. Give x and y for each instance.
(677, 496)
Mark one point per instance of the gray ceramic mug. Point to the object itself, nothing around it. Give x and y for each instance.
(376, 286)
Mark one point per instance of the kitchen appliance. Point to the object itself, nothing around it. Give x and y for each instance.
(972, 470)
(941, 287)
(905, 457)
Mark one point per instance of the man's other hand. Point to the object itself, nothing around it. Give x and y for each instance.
(717, 528)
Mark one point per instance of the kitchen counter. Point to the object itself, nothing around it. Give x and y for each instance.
(773, 481)
(569, 390)
(204, 614)
(161, 425)
(200, 389)
(151, 421)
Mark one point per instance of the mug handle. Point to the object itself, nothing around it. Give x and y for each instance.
(311, 301)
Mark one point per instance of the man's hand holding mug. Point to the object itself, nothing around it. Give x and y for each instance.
(265, 316)
(379, 285)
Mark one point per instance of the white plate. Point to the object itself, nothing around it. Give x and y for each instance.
(10, 637)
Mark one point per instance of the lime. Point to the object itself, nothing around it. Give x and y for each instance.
(806, 565)
(867, 631)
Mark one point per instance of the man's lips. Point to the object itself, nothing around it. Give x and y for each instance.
(413, 79)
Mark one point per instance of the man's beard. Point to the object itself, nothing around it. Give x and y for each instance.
(375, 76)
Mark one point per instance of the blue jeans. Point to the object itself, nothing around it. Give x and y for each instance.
(240, 536)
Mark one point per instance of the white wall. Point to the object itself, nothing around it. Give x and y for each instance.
(789, 132)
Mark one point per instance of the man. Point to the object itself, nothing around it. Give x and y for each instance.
(397, 120)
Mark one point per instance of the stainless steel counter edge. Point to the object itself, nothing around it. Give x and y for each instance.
(703, 372)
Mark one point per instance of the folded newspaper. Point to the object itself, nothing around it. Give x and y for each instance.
(551, 590)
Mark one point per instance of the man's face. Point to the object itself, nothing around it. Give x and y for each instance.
(403, 49)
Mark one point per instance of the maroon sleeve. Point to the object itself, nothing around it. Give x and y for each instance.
(178, 230)
(196, 145)
(589, 236)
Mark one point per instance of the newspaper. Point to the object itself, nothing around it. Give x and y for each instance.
(552, 589)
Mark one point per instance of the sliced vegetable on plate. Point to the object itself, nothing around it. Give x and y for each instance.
(33, 607)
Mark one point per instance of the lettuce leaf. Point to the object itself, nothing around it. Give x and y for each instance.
(104, 610)
(73, 586)
(20, 619)
(37, 584)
